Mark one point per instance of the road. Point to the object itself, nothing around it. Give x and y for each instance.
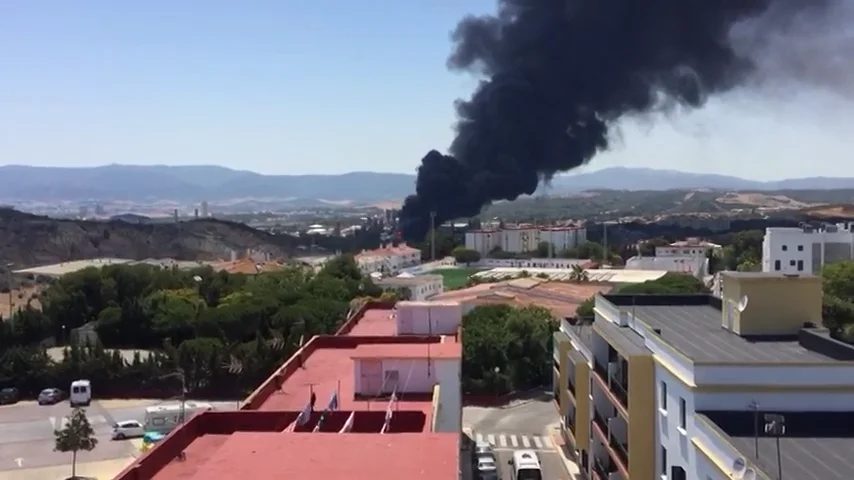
(522, 425)
(27, 438)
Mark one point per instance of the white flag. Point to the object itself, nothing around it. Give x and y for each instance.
(348, 425)
(304, 415)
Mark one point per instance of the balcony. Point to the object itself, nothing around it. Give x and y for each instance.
(600, 422)
(618, 388)
(570, 385)
(600, 370)
(620, 448)
(600, 470)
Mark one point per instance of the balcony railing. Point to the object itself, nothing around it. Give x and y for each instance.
(601, 370)
(570, 385)
(599, 420)
(619, 447)
(600, 469)
(618, 388)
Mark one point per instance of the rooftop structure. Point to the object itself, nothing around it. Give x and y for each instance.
(377, 406)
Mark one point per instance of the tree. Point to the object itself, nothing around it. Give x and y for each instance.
(465, 255)
(506, 348)
(77, 435)
(578, 274)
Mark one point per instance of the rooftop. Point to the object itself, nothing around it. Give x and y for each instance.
(410, 280)
(247, 266)
(59, 269)
(327, 367)
(333, 456)
(692, 324)
(561, 298)
(375, 323)
(611, 276)
(817, 445)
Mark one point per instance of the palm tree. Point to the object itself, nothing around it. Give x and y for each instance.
(578, 274)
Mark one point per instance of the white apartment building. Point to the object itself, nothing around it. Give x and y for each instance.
(697, 388)
(483, 241)
(418, 287)
(388, 260)
(806, 249)
(525, 238)
(689, 247)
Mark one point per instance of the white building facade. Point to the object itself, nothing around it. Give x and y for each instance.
(525, 238)
(806, 250)
(388, 260)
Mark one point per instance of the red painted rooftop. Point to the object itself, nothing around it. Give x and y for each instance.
(332, 456)
(375, 323)
(330, 368)
(437, 351)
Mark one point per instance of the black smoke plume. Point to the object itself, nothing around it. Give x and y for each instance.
(558, 74)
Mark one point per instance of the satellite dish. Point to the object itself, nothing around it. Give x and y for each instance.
(742, 304)
(739, 467)
(749, 474)
(197, 278)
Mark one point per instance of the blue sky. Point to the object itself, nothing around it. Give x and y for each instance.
(321, 86)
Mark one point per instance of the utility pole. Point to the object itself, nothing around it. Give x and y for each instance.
(433, 236)
(9, 266)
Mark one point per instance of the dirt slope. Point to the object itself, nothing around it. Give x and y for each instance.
(30, 240)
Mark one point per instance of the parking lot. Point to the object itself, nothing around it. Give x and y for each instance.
(524, 425)
(27, 432)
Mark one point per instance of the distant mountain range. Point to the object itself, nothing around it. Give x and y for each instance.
(213, 183)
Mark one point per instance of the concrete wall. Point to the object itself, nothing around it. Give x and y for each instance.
(420, 318)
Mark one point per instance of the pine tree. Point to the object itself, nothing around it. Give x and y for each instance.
(77, 435)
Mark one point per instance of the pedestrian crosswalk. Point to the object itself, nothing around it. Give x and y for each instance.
(60, 422)
(514, 441)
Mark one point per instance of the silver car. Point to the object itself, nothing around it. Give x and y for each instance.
(50, 396)
(486, 468)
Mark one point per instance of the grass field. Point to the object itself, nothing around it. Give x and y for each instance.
(456, 277)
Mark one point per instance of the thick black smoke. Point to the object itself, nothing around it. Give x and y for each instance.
(559, 74)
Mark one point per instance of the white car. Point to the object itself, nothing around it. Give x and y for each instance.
(127, 429)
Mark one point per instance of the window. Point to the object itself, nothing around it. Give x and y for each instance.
(677, 473)
(682, 414)
(800, 265)
(663, 400)
(663, 461)
(791, 263)
(800, 248)
(785, 247)
(776, 265)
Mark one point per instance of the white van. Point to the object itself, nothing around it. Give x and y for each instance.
(80, 393)
(525, 465)
(163, 418)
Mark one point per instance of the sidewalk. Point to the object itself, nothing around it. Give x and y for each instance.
(567, 458)
(104, 470)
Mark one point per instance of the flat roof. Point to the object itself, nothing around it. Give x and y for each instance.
(444, 350)
(334, 456)
(817, 445)
(328, 369)
(58, 269)
(375, 323)
(408, 281)
(761, 275)
(696, 330)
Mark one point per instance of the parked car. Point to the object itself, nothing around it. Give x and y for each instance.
(50, 396)
(9, 396)
(483, 450)
(127, 429)
(487, 469)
